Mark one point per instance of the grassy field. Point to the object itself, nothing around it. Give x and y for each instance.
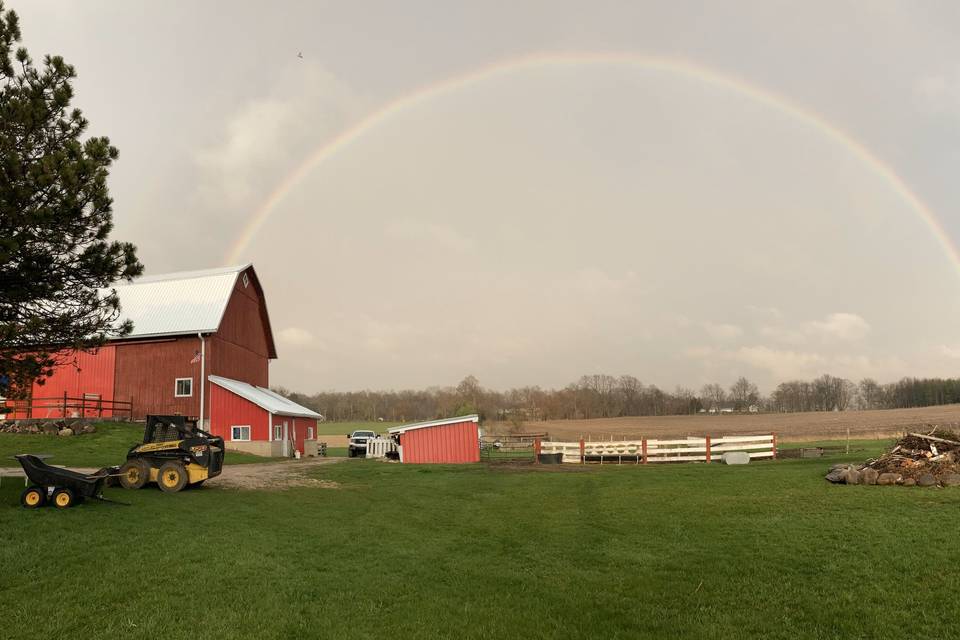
(816, 425)
(481, 551)
(108, 446)
(343, 428)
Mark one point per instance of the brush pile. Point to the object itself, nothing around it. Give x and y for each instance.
(922, 459)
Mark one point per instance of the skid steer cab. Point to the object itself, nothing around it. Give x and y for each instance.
(175, 454)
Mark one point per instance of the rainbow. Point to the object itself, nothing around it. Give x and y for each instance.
(676, 66)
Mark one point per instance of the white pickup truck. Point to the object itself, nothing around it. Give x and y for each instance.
(357, 446)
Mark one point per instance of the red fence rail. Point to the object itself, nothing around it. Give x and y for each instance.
(68, 407)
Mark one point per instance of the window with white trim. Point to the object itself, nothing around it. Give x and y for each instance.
(309, 433)
(277, 432)
(246, 280)
(240, 433)
(183, 387)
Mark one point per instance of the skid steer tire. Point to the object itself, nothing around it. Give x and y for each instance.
(134, 474)
(172, 477)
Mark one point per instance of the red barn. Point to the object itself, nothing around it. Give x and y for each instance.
(453, 440)
(187, 327)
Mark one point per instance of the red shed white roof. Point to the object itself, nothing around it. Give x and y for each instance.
(265, 398)
(434, 423)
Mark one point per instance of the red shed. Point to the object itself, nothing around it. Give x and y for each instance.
(453, 440)
(257, 420)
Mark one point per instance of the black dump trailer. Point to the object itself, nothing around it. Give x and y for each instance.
(57, 486)
(174, 453)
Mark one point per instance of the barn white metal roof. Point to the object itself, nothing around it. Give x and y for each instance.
(177, 303)
(434, 423)
(264, 398)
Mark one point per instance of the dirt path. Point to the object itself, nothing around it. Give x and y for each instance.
(273, 475)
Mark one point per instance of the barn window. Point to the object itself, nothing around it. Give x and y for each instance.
(240, 433)
(277, 432)
(309, 433)
(183, 388)
(246, 281)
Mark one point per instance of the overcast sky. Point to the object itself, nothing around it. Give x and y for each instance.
(553, 220)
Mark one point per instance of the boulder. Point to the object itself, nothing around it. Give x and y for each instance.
(853, 476)
(950, 479)
(65, 432)
(840, 465)
(909, 482)
(837, 476)
(89, 428)
(50, 429)
(868, 476)
(889, 478)
(927, 480)
(735, 457)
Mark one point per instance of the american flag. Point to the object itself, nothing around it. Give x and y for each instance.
(196, 358)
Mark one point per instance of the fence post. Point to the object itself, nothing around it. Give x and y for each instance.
(774, 446)
(583, 457)
(708, 448)
(536, 451)
(64, 404)
(643, 448)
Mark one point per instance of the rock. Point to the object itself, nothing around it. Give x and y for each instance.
(927, 480)
(868, 476)
(89, 428)
(837, 476)
(950, 479)
(909, 482)
(889, 478)
(65, 432)
(735, 457)
(840, 465)
(50, 429)
(853, 476)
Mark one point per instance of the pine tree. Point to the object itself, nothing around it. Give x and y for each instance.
(55, 220)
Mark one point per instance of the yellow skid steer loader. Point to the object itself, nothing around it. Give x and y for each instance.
(174, 454)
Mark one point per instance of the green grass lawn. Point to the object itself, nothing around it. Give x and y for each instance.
(108, 446)
(766, 550)
(344, 428)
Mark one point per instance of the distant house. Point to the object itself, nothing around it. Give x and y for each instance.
(189, 329)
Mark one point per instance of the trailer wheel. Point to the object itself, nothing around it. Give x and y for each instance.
(172, 477)
(134, 474)
(63, 498)
(33, 497)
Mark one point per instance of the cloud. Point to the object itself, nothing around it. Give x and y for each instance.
(770, 312)
(722, 331)
(952, 352)
(840, 326)
(267, 136)
(436, 234)
(939, 92)
(297, 337)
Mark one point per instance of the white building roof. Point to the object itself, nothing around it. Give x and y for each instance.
(177, 303)
(434, 423)
(265, 399)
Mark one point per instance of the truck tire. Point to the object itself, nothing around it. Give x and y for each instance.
(172, 477)
(134, 474)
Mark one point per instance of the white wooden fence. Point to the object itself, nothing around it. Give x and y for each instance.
(379, 447)
(643, 451)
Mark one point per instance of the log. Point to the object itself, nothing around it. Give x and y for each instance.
(920, 435)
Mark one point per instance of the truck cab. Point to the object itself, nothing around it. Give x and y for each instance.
(357, 445)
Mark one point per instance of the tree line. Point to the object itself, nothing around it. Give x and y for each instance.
(606, 396)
